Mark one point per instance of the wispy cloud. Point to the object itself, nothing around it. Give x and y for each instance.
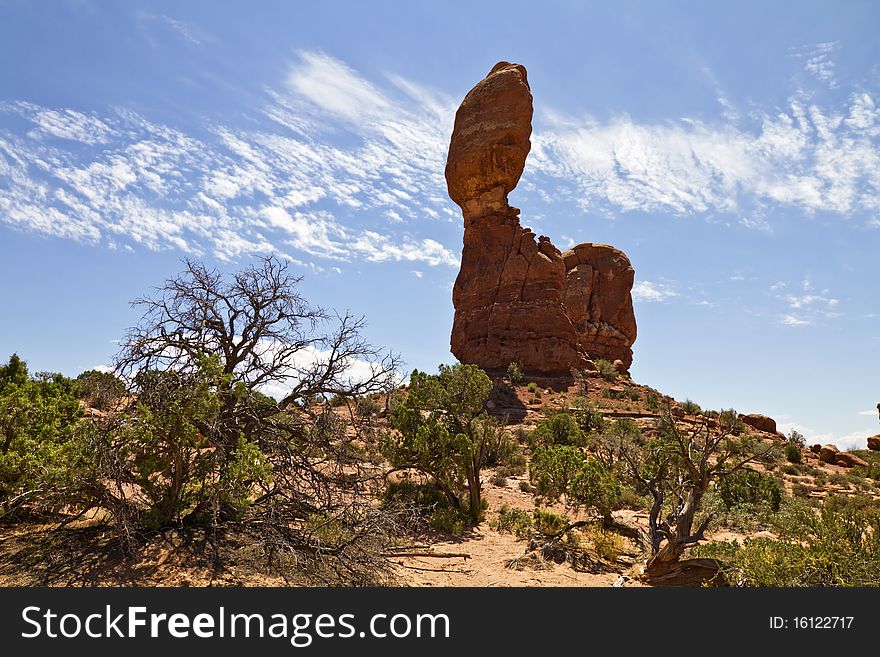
(806, 157)
(282, 187)
(342, 167)
(651, 292)
(806, 306)
(818, 62)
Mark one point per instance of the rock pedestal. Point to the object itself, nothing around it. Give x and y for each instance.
(517, 298)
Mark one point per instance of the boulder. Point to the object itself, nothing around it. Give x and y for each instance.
(759, 422)
(518, 298)
(828, 454)
(874, 443)
(848, 460)
(816, 448)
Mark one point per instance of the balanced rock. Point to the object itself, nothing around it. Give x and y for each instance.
(517, 297)
(759, 422)
(874, 443)
(828, 454)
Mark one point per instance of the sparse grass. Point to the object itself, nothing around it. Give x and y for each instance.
(609, 545)
(532, 387)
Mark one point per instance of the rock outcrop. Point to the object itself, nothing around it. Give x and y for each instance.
(828, 454)
(518, 298)
(759, 422)
(847, 460)
(874, 443)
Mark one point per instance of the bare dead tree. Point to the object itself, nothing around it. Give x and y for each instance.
(677, 468)
(205, 349)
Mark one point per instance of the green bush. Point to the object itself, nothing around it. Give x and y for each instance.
(41, 452)
(515, 373)
(101, 390)
(513, 521)
(559, 429)
(549, 522)
(563, 470)
(750, 487)
(449, 520)
(838, 545)
(793, 453)
(691, 407)
(442, 429)
(587, 415)
(606, 369)
(532, 387)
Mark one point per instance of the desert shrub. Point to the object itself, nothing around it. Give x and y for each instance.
(563, 470)
(513, 464)
(522, 435)
(498, 479)
(793, 453)
(587, 415)
(101, 390)
(652, 402)
(634, 395)
(515, 373)
(526, 487)
(443, 430)
(801, 490)
(549, 522)
(609, 545)
(614, 393)
(367, 407)
(750, 487)
(41, 455)
(449, 520)
(790, 469)
(532, 387)
(561, 428)
(512, 521)
(606, 369)
(690, 407)
(836, 545)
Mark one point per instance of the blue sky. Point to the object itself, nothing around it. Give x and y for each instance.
(733, 152)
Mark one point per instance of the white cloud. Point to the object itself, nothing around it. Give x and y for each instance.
(807, 308)
(872, 412)
(850, 441)
(649, 291)
(818, 60)
(806, 157)
(342, 167)
(234, 192)
(792, 320)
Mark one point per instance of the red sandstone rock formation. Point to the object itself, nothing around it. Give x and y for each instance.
(518, 298)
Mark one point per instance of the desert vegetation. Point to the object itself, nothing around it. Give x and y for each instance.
(335, 479)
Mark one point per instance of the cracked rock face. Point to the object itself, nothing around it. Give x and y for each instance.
(517, 297)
